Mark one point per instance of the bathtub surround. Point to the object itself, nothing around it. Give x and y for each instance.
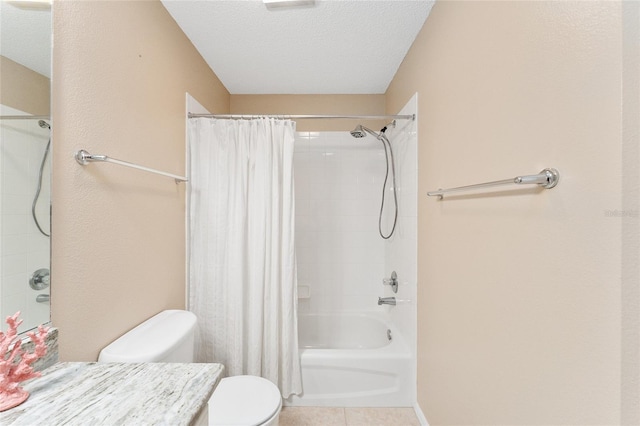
(342, 261)
(242, 271)
(505, 325)
(401, 249)
(340, 254)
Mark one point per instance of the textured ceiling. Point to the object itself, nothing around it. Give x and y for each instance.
(335, 46)
(25, 37)
(332, 47)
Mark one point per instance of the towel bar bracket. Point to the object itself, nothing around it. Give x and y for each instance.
(84, 158)
(551, 178)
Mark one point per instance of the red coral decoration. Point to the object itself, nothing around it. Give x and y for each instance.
(15, 363)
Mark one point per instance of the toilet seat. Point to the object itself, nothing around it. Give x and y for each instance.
(244, 400)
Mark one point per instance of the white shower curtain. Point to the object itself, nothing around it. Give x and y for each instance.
(242, 271)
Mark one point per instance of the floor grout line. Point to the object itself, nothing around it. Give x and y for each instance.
(349, 416)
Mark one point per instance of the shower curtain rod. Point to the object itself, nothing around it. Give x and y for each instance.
(306, 117)
(25, 117)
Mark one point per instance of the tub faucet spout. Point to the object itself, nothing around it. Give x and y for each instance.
(386, 301)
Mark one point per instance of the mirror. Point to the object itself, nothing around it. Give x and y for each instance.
(25, 155)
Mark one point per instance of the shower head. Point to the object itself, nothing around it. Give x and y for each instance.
(44, 124)
(358, 132)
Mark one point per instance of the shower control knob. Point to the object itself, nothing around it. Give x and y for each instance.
(40, 279)
(393, 281)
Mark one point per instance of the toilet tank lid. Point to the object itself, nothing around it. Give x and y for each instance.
(153, 339)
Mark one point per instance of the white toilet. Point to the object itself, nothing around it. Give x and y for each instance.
(169, 337)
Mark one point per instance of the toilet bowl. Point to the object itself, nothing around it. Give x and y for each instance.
(169, 337)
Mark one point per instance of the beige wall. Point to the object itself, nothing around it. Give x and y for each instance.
(23, 89)
(518, 293)
(314, 105)
(121, 70)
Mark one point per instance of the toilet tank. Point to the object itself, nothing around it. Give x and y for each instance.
(167, 337)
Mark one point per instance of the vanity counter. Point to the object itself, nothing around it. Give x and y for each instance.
(80, 393)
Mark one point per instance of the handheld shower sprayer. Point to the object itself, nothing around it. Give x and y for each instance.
(44, 125)
(360, 132)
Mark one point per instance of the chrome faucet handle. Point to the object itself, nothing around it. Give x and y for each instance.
(393, 281)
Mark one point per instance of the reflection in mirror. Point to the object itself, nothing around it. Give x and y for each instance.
(25, 145)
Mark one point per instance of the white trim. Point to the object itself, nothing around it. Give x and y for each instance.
(420, 415)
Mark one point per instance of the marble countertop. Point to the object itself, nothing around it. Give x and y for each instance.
(80, 393)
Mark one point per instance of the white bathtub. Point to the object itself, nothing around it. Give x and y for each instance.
(348, 361)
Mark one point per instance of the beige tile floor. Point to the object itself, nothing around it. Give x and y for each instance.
(332, 416)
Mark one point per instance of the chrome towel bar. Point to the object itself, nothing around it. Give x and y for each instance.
(83, 158)
(548, 178)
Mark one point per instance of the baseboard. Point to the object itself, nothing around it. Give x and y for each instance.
(421, 417)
